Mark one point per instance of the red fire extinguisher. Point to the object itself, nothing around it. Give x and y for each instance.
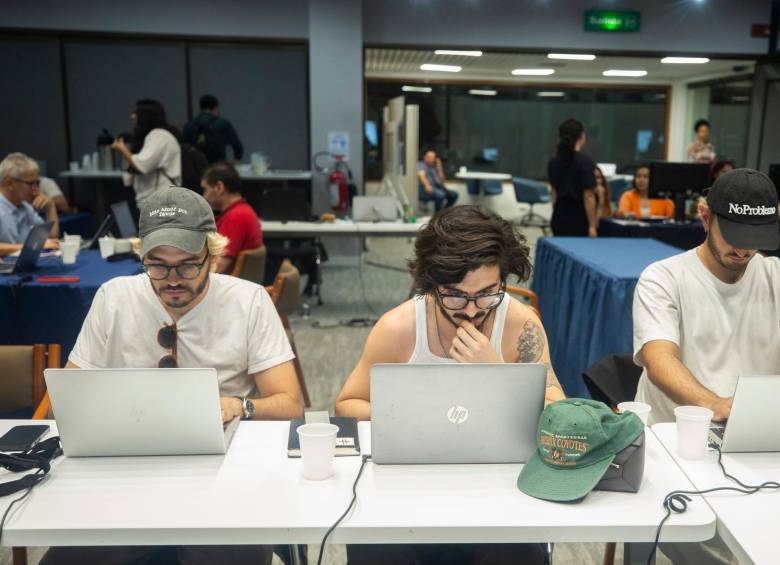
(337, 190)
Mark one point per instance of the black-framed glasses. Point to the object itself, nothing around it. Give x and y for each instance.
(31, 183)
(189, 271)
(168, 338)
(481, 301)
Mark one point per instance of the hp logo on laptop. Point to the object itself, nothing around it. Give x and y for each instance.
(458, 414)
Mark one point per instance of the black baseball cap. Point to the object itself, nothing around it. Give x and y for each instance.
(746, 202)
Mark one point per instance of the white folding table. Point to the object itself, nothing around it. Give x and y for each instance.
(749, 524)
(256, 495)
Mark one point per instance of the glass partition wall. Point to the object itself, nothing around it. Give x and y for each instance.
(513, 128)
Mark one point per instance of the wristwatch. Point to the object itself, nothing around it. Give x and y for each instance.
(249, 408)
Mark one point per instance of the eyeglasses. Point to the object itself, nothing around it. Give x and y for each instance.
(168, 338)
(189, 271)
(481, 301)
(31, 183)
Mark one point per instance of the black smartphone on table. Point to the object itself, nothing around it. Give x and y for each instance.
(22, 438)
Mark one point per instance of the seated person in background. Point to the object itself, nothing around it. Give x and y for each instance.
(210, 133)
(720, 168)
(179, 313)
(634, 202)
(603, 195)
(237, 220)
(461, 314)
(21, 204)
(50, 188)
(706, 316)
(431, 182)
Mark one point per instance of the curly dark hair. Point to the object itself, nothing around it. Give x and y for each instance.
(461, 239)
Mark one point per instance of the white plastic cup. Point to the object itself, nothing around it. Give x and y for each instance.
(74, 166)
(318, 448)
(70, 250)
(122, 246)
(76, 238)
(639, 408)
(106, 247)
(462, 170)
(693, 426)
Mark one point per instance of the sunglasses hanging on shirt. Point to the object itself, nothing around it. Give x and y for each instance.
(167, 337)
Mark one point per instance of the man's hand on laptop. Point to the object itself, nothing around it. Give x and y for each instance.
(472, 346)
(232, 407)
(722, 408)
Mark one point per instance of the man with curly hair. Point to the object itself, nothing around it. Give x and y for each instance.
(460, 314)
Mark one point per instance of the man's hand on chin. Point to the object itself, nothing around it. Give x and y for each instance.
(472, 346)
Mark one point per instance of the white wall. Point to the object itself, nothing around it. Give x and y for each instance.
(684, 26)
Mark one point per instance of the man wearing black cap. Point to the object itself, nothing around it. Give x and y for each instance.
(711, 314)
(180, 314)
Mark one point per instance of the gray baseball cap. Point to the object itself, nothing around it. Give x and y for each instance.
(177, 217)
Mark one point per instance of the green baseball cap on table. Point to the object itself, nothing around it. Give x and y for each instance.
(576, 441)
(177, 217)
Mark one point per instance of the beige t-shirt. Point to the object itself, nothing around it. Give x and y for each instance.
(234, 329)
(723, 330)
(159, 164)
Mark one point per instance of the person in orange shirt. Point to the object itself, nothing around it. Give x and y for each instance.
(634, 203)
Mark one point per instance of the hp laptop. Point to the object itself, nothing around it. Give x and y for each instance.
(109, 412)
(124, 220)
(30, 252)
(455, 413)
(374, 209)
(754, 418)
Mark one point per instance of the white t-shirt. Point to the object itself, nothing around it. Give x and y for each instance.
(48, 187)
(159, 158)
(234, 329)
(723, 330)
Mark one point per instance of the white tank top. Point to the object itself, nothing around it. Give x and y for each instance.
(422, 352)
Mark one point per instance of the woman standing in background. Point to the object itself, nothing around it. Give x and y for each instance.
(571, 176)
(157, 163)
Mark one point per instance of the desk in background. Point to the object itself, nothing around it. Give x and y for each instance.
(747, 523)
(97, 190)
(343, 228)
(191, 500)
(33, 312)
(683, 236)
(478, 182)
(586, 290)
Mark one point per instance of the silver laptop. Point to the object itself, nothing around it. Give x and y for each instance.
(374, 209)
(108, 412)
(754, 417)
(455, 413)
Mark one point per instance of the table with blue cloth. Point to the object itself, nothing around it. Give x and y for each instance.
(684, 235)
(36, 312)
(586, 290)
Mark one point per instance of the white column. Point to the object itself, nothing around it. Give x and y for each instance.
(677, 144)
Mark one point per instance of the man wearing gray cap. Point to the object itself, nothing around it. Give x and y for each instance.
(180, 314)
(706, 316)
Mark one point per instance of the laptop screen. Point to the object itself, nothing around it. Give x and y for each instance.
(124, 220)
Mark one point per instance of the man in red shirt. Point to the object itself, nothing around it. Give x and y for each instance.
(236, 219)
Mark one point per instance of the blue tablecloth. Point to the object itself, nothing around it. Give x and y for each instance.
(684, 236)
(586, 289)
(77, 224)
(34, 312)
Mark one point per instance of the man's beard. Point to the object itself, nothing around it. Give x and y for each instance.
(182, 302)
(478, 321)
(720, 260)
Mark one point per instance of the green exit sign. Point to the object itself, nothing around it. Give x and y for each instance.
(610, 20)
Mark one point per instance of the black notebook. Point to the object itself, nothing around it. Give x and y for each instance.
(347, 440)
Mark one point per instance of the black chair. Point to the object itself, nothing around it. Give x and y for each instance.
(613, 379)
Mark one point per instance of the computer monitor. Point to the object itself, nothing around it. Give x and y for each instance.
(667, 179)
(490, 154)
(124, 220)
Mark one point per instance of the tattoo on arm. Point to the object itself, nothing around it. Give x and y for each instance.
(530, 344)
